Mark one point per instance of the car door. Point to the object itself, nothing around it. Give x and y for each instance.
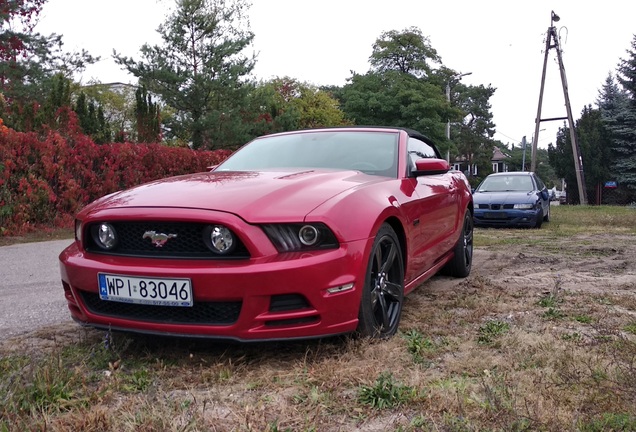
(436, 207)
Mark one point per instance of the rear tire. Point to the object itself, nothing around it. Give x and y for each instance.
(383, 291)
(461, 263)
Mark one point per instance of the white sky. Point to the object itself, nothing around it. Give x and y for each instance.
(500, 41)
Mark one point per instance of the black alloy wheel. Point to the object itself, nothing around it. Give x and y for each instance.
(383, 293)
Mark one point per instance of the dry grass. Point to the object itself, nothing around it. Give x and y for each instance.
(38, 236)
(540, 337)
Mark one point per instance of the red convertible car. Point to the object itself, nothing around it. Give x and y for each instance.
(297, 235)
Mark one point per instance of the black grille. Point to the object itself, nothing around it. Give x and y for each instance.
(206, 313)
(188, 242)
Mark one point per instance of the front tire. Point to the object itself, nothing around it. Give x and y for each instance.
(383, 291)
(461, 263)
(539, 220)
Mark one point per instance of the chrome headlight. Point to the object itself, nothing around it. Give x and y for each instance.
(296, 237)
(104, 235)
(526, 206)
(219, 239)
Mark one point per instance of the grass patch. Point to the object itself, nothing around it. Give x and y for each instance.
(630, 328)
(553, 314)
(610, 422)
(420, 346)
(571, 220)
(584, 319)
(566, 221)
(386, 392)
(492, 330)
(549, 301)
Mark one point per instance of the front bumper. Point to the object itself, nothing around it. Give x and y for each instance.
(507, 217)
(284, 296)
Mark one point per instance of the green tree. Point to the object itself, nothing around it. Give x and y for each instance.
(17, 20)
(620, 116)
(473, 135)
(544, 169)
(284, 104)
(560, 157)
(148, 117)
(595, 145)
(394, 98)
(404, 89)
(315, 107)
(594, 139)
(270, 107)
(409, 92)
(627, 72)
(30, 61)
(200, 70)
(117, 103)
(92, 119)
(408, 51)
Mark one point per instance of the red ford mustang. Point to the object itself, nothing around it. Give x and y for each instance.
(297, 235)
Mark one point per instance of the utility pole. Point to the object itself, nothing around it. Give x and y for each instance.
(552, 41)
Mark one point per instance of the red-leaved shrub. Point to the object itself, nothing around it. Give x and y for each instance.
(45, 179)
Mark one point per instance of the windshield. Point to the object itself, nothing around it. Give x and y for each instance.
(513, 183)
(374, 153)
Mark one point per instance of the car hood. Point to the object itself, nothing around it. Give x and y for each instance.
(504, 197)
(280, 196)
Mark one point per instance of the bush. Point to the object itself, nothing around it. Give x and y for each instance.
(45, 179)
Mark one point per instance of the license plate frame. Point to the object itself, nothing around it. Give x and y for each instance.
(145, 290)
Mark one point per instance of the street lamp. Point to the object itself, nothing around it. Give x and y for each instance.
(448, 89)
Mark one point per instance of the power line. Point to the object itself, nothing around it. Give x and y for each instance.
(510, 138)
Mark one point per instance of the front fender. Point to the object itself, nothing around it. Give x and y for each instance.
(359, 213)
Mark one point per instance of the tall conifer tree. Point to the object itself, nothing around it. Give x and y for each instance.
(200, 70)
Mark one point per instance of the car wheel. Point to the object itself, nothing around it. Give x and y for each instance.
(539, 220)
(383, 292)
(462, 261)
(546, 218)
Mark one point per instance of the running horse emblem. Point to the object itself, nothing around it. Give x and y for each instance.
(158, 239)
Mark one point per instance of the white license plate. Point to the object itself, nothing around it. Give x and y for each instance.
(145, 290)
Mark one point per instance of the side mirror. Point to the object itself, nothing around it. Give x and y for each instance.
(430, 166)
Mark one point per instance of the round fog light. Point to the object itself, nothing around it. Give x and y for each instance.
(221, 240)
(308, 235)
(106, 236)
